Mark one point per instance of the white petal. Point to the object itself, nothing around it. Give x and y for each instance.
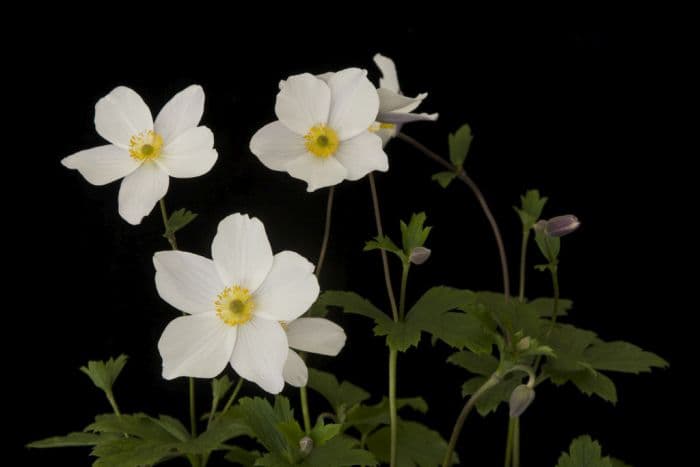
(182, 112)
(316, 335)
(191, 154)
(120, 115)
(289, 289)
(140, 191)
(386, 134)
(199, 346)
(260, 353)
(241, 251)
(276, 145)
(361, 155)
(316, 171)
(389, 79)
(402, 117)
(187, 281)
(390, 101)
(103, 164)
(303, 102)
(354, 102)
(295, 371)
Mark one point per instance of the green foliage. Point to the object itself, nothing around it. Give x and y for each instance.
(415, 233)
(585, 452)
(338, 452)
(545, 306)
(623, 357)
(352, 303)
(549, 247)
(70, 440)
(417, 445)
(178, 219)
(263, 420)
(238, 455)
(530, 210)
(444, 178)
(478, 364)
(367, 418)
(220, 387)
(341, 396)
(459, 142)
(382, 242)
(103, 374)
(491, 400)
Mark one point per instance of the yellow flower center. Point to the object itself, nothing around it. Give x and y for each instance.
(322, 141)
(234, 305)
(145, 146)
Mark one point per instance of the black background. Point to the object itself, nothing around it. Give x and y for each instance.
(588, 111)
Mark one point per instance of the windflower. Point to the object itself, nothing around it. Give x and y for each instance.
(395, 109)
(315, 335)
(322, 136)
(237, 304)
(143, 152)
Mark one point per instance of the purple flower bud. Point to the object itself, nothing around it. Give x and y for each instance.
(306, 445)
(419, 255)
(520, 399)
(561, 225)
(540, 226)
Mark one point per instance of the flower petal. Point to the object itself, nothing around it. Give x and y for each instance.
(260, 353)
(316, 335)
(317, 172)
(389, 79)
(140, 191)
(354, 102)
(303, 102)
(295, 371)
(289, 289)
(398, 118)
(120, 115)
(187, 281)
(197, 346)
(190, 154)
(390, 101)
(181, 113)
(361, 155)
(276, 145)
(103, 164)
(242, 252)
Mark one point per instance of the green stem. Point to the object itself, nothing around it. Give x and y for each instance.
(491, 382)
(393, 356)
(193, 412)
(555, 286)
(523, 259)
(516, 442)
(326, 232)
(233, 396)
(113, 403)
(402, 294)
(169, 235)
(305, 409)
(509, 442)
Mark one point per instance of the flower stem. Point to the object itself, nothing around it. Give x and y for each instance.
(305, 409)
(462, 175)
(393, 356)
(193, 412)
(523, 259)
(509, 442)
(385, 260)
(516, 442)
(233, 396)
(168, 234)
(402, 294)
(326, 231)
(491, 382)
(555, 286)
(113, 403)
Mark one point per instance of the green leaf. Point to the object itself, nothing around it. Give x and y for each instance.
(292, 433)
(494, 397)
(549, 246)
(338, 452)
(417, 445)
(414, 234)
(531, 205)
(618, 463)
(382, 242)
(70, 440)
(103, 374)
(352, 303)
(400, 335)
(444, 178)
(173, 426)
(545, 306)
(482, 364)
(273, 459)
(178, 219)
(569, 344)
(589, 382)
(322, 433)
(219, 387)
(262, 420)
(238, 455)
(366, 418)
(341, 396)
(584, 452)
(460, 142)
(622, 356)
(226, 426)
(133, 452)
(138, 425)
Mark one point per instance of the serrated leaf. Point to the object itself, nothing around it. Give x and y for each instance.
(569, 344)
(494, 397)
(459, 143)
(339, 395)
(321, 433)
(531, 205)
(132, 452)
(179, 219)
(238, 455)
(584, 452)
(339, 452)
(173, 426)
(483, 364)
(220, 386)
(292, 433)
(366, 418)
(262, 420)
(444, 178)
(400, 336)
(622, 356)
(273, 459)
(226, 426)
(415, 233)
(382, 242)
(352, 303)
(417, 445)
(545, 306)
(71, 440)
(138, 425)
(591, 383)
(103, 374)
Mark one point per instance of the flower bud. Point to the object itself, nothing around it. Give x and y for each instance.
(561, 225)
(419, 255)
(520, 399)
(524, 343)
(306, 444)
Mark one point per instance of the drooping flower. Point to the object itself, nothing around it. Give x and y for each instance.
(315, 335)
(236, 304)
(395, 109)
(558, 226)
(322, 136)
(143, 152)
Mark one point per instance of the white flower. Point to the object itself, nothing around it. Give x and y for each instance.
(322, 135)
(395, 109)
(143, 152)
(236, 303)
(315, 335)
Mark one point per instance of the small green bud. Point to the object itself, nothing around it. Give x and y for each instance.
(306, 445)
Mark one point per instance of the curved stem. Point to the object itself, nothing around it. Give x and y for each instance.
(523, 259)
(461, 174)
(393, 356)
(491, 382)
(402, 293)
(326, 231)
(305, 409)
(509, 442)
(385, 260)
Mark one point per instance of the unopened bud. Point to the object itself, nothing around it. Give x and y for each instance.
(540, 225)
(419, 255)
(561, 225)
(520, 399)
(524, 343)
(306, 444)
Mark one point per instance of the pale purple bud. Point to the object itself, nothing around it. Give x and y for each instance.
(561, 225)
(419, 255)
(306, 444)
(520, 399)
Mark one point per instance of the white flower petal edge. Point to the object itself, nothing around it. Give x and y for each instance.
(260, 353)
(389, 79)
(181, 113)
(141, 190)
(295, 370)
(276, 145)
(189, 155)
(241, 251)
(120, 115)
(288, 290)
(187, 281)
(303, 102)
(354, 102)
(317, 172)
(199, 346)
(103, 164)
(361, 155)
(316, 335)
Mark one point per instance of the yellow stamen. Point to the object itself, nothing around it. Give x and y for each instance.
(234, 305)
(376, 126)
(322, 141)
(145, 146)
